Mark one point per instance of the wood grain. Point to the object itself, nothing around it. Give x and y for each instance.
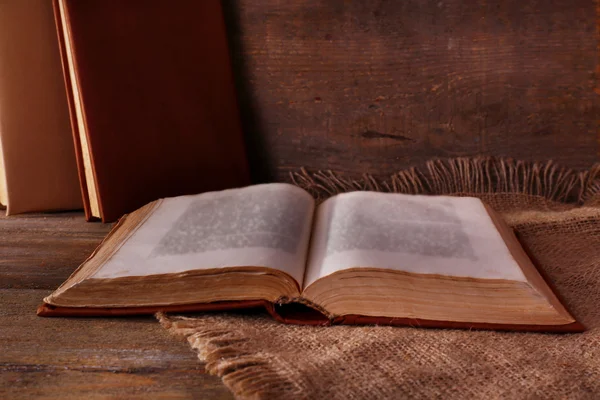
(77, 357)
(376, 86)
(39, 251)
(80, 357)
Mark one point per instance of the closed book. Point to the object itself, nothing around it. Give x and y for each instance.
(37, 158)
(152, 101)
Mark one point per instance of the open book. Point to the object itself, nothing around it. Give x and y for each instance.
(360, 257)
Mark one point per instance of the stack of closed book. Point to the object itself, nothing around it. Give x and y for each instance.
(142, 107)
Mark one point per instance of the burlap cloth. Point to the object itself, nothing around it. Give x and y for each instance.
(555, 211)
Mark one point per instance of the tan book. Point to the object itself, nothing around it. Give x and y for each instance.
(37, 159)
(360, 257)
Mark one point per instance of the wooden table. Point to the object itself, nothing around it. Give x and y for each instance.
(83, 357)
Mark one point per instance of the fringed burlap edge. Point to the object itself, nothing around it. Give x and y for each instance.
(222, 352)
(466, 175)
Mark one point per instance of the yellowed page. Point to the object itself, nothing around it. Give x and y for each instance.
(263, 225)
(422, 234)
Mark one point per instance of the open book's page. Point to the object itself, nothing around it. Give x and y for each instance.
(263, 225)
(422, 234)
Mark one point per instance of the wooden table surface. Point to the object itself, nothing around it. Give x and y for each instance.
(80, 357)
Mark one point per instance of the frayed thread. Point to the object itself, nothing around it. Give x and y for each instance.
(479, 175)
(223, 352)
(590, 182)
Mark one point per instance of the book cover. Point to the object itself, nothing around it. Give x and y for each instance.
(152, 101)
(37, 158)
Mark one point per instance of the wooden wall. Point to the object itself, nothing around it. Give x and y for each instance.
(378, 85)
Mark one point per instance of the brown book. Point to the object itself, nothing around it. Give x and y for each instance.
(357, 258)
(152, 101)
(37, 158)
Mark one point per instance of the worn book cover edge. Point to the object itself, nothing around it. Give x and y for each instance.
(73, 115)
(278, 312)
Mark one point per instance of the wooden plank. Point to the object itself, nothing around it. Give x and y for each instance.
(39, 251)
(68, 384)
(375, 86)
(77, 358)
(93, 358)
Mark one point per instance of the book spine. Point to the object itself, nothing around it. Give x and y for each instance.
(60, 24)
